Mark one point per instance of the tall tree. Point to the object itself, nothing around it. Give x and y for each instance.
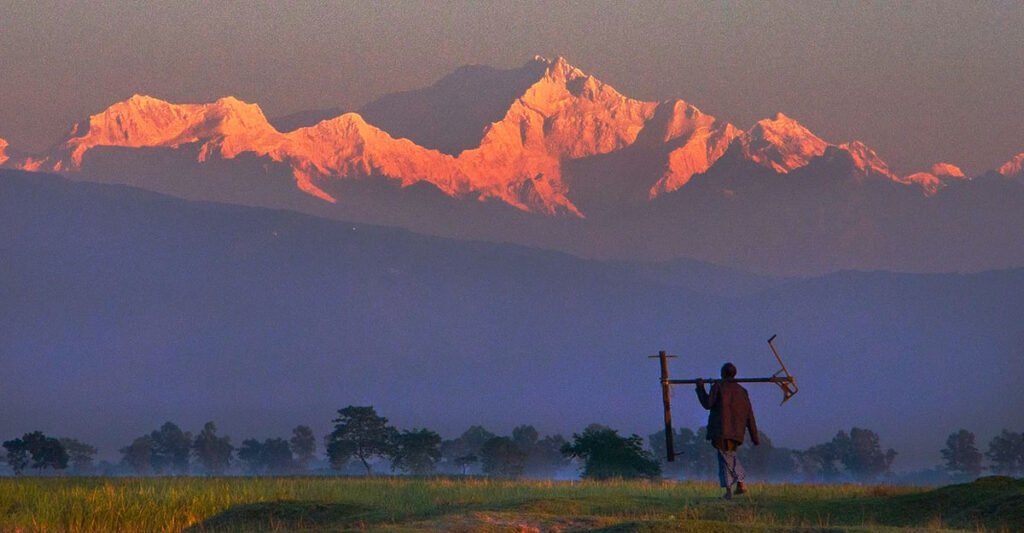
(17, 455)
(695, 458)
(172, 448)
(464, 450)
(272, 456)
(859, 451)
(961, 455)
(277, 456)
(606, 454)
(525, 437)
(80, 455)
(1006, 452)
(212, 451)
(545, 458)
(250, 453)
(767, 462)
(361, 433)
(820, 463)
(416, 452)
(501, 457)
(46, 452)
(139, 455)
(303, 445)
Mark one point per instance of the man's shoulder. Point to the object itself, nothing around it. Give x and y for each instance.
(734, 388)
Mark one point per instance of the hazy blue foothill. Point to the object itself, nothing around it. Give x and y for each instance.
(121, 308)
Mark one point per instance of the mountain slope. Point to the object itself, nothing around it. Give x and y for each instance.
(1014, 168)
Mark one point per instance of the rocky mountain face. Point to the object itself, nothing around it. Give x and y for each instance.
(549, 155)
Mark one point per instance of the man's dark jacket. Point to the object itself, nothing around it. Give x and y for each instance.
(731, 414)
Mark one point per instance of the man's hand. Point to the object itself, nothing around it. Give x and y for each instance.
(700, 383)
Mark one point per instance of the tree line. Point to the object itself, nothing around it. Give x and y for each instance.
(362, 440)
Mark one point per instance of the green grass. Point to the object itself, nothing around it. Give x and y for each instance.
(470, 505)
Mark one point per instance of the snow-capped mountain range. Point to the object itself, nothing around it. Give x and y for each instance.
(549, 156)
(563, 115)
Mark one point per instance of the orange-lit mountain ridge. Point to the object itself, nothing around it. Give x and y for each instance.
(564, 115)
(1014, 167)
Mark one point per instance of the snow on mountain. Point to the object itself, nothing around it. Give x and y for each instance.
(226, 128)
(554, 113)
(566, 114)
(781, 144)
(699, 137)
(342, 147)
(940, 175)
(347, 146)
(867, 161)
(1014, 167)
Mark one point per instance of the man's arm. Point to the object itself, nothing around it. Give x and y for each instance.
(707, 400)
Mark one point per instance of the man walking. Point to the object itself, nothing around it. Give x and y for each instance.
(730, 418)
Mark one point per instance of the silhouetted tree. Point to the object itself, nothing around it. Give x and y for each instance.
(277, 456)
(858, 451)
(465, 450)
(139, 455)
(80, 455)
(543, 455)
(501, 457)
(1006, 452)
(820, 462)
(416, 452)
(695, 457)
(961, 455)
(464, 461)
(250, 453)
(172, 448)
(212, 451)
(525, 437)
(546, 458)
(17, 455)
(46, 452)
(361, 433)
(303, 445)
(272, 456)
(768, 462)
(608, 455)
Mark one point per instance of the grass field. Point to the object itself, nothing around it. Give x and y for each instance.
(409, 505)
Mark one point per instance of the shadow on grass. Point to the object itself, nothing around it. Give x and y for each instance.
(288, 515)
(994, 504)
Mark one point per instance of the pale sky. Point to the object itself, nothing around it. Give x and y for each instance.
(921, 82)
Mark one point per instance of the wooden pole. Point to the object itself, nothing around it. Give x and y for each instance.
(666, 398)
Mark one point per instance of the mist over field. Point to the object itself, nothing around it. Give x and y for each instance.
(121, 308)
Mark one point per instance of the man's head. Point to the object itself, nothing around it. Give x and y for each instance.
(728, 371)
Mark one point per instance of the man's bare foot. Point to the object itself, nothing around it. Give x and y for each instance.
(741, 488)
